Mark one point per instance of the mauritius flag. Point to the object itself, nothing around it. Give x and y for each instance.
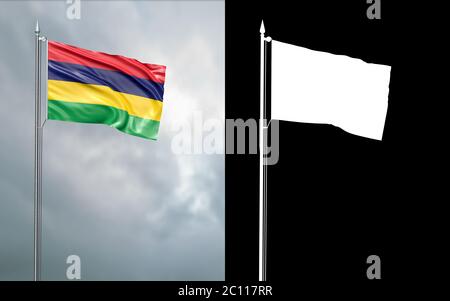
(95, 87)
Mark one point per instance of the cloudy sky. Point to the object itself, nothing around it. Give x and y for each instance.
(129, 207)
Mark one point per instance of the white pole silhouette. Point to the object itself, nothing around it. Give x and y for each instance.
(262, 163)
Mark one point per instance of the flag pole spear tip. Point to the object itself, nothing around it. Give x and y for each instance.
(262, 29)
(37, 30)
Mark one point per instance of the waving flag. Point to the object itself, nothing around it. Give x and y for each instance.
(318, 87)
(94, 87)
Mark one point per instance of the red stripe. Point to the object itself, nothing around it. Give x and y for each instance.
(70, 54)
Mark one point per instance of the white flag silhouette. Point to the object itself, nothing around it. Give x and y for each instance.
(318, 87)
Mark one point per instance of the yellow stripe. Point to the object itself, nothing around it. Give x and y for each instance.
(101, 95)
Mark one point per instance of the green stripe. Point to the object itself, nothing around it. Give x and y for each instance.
(92, 113)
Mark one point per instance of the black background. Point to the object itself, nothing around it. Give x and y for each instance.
(333, 198)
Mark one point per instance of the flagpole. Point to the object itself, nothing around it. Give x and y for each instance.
(38, 134)
(262, 169)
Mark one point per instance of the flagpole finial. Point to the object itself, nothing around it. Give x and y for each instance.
(262, 29)
(37, 30)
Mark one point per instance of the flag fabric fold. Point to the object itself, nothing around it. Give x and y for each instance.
(318, 87)
(94, 87)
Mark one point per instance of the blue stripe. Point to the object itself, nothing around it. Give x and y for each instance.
(116, 80)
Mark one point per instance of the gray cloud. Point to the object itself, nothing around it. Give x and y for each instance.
(128, 207)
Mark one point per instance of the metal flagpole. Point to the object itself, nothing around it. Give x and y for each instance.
(262, 163)
(38, 134)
